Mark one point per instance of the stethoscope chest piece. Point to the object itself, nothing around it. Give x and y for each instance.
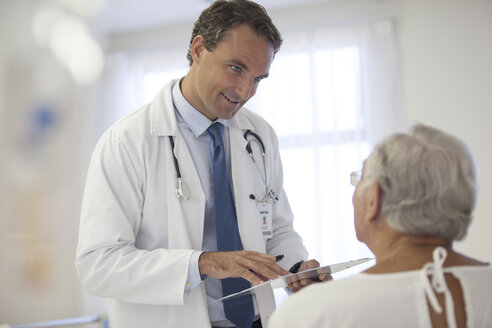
(182, 191)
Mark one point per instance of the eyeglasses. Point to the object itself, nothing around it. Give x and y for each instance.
(355, 177)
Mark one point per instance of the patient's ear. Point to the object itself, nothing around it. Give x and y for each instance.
(373, 201)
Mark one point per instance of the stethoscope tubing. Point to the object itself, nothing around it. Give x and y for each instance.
(268, 192)
(264, 177)
(175, 159)
(256, 138)
(179, 188)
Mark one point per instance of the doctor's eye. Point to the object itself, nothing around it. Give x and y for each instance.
(235, 68)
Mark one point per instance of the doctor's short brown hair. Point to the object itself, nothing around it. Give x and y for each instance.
(223, 15)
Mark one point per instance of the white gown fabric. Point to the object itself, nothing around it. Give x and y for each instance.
(390, 300)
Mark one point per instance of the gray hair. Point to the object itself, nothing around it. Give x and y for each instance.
(428, 182)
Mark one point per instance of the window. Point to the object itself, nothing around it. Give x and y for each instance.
(313, 100)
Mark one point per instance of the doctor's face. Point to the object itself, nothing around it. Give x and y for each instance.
(227, 77)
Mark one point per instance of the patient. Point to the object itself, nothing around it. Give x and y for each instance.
(415, 196)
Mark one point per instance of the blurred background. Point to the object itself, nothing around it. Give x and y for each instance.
(349, 72)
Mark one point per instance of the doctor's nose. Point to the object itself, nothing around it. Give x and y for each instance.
(246, 88)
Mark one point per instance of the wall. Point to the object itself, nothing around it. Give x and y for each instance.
(43, 133)
(446, 52)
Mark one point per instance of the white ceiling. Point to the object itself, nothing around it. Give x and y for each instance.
(120, 16)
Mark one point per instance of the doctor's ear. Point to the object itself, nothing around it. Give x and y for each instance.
(197, 48)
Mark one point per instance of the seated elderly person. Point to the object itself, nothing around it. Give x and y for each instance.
(415, 197)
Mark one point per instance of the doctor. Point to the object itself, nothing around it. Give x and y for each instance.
(148, 238)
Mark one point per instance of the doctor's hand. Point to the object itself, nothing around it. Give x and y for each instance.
(311, 264)
(253, 266)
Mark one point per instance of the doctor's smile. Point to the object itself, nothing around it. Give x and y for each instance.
(231, 100)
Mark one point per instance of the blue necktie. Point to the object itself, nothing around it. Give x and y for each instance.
(239, 310)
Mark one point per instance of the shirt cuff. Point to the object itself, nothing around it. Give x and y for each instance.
(194, 278)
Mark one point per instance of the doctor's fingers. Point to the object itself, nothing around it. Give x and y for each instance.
(298, 285)
(295, 286)
(322, 277)
(268, 268)
(222, 265)
(256, 256)
(256, 269)
(266, 271)
(238, 266)
(310, 264)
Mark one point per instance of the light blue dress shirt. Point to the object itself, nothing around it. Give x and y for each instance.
(193, 126)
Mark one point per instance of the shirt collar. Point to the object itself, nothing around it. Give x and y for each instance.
(196, 121)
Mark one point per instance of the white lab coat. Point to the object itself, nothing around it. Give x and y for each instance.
(136, 237)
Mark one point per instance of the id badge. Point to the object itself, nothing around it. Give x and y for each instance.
(265, 217)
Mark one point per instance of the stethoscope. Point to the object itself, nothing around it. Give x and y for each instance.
(182, 191)
(269, 194)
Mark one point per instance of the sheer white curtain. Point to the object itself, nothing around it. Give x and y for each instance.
(332, 92)
(132, 80)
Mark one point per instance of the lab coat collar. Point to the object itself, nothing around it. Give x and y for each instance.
(195, 120)
(163, 117)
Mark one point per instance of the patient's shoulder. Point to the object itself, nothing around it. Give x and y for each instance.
(457, 259)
